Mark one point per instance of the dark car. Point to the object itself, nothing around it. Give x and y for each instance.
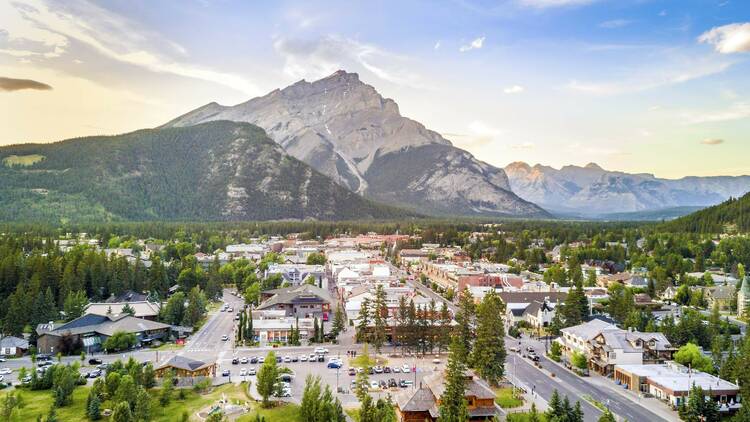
(352, 371)
(370, 371)
(534, 357)
(387, 369)
(96, 373)
(235, 361)
(254, 359)
(225, 373)
(321, 358)
(278, 359)
(382, 384)
(295, 358)
(43, 357)
(95, 361)
(392, 383)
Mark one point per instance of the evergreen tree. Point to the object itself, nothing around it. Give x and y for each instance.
(453, 401)
(339, 323)
(379, 318)
(465, 321)
(363, 322)
(488, 356)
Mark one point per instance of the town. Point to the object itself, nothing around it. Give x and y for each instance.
(439, 321)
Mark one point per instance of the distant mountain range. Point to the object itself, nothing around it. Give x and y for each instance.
(213, 171)
(592, 191)
(346, 130)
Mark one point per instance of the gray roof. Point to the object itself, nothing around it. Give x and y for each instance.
(590, 329)
(528, 297)
(304, 293)
(182, 362)
(106, 325)
(419, 400)
(16, 342)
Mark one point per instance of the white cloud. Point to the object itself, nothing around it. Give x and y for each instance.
(736, 111)
(654, 77)
(544, 4)
(614, 23)
(515, 89)
(437, 46)
(712, 141)
(727, 39)
(314, 59)
(54, 24)
(475, 44)
(663, 13)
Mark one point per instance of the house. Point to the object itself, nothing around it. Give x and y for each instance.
(720, 296)
(90, 331)
(625, 278)
(672, 382)
(141, 309)
(536, 308)
(296, 274)
(184, 367)
(606, 346)
(13, 346)
(303, 301)
(422, 404)
(743, 298)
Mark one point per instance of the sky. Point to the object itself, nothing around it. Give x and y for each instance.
(649, 86)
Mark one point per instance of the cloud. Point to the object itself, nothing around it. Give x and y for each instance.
(314, 59)
(12, 84)
(736, 111)
(54, 24)
(712, 141)
(614, 23)
(728, 39)
(544, 4)
(475, 44)
(437, 46)
(674, 73)
(515, 89)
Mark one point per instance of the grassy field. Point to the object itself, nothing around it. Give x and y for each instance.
(506, 399)
(22, 160)
(284, 413)
(37, 403)
(524, 417)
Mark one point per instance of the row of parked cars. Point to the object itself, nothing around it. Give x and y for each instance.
(384, 385)
(405, 368)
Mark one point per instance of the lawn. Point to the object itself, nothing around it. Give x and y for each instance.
(524, 417)
(353, 413)
(22, 160)
(37, 403)
(287, 412)
(506, 399)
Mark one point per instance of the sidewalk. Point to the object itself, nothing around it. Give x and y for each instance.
(652, 404)
(528, 397)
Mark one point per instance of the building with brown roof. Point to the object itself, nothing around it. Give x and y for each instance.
(423, 403)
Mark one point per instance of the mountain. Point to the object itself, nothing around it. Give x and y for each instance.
(730, 216)
(213, 171)
(593, 191)
(345, 129)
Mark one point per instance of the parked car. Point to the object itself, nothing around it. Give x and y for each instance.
(225, 373)
(387, 369)
(251, 371)
(224, 337)
(378, 369)
(235, 361)
(514, 349)
(397, 369)
(406, 368)
(254, 359)
(287, 359)
(5, 371)
(334, 364)
(243, 360)
(303, 358)
(261, 359)
(392, 383)
(402, 383)
(94, 374)
(279, 359)
(243, 372)
(95, 361)
(382, 384)
(374, 385)
(321, 350)
(352, 372)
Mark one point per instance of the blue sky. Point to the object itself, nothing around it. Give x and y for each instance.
(634, 85)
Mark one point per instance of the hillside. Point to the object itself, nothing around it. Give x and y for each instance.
(346, 130)
(592, 191)
(729, 217)
(215, 171)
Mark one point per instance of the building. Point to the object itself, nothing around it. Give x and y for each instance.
(422, 404)
(275, 327)
(606, 346)
(141, 309)
(184, 367)
(303, 301)
(13, 346)
(721, 296)
(91, 331)
(671, 382)
(536, 308)
(296, 274)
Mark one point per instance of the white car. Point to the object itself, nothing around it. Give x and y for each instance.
(243, 360)
(374, 385)
(303, 358)
(287, 359)
(251, 371)
(5, 371)
(261, 359)
(243, 372)
(320, 350)
(406, 368)
(224, 337)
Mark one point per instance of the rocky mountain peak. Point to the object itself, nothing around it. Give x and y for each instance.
(593, 166)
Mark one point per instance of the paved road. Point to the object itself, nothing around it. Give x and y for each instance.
(207, 342)
(575, 387)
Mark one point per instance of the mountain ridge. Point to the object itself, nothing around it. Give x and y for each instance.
(346, 130)
(593, 191)
(226, 171)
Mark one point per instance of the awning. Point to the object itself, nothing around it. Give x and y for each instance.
(91, 341)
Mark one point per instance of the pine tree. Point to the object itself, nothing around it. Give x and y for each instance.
(488, 356)
(339, 323)
(465, 321)
(453, 401)
(379, 317)
(363, 322)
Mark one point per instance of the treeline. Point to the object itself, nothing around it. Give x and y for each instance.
(732, 215)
